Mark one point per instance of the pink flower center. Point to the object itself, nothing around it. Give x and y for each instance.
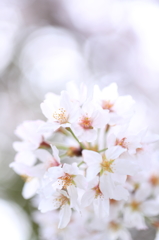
(107, 105)
(98, 192)
(85, 122)
(52, 163)
(122, 142)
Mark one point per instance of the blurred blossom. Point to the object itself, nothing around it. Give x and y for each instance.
(94, 16)
(14, 222)
(10, 22)
(52, 56)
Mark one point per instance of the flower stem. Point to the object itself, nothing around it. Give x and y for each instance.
(104, 149)
(63, 155)
(62, 147)
(80, 164)
(81, 145)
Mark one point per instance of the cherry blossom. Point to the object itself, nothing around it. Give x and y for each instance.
(93, 172)
(120, 107)
(59, 110)
(91, 118)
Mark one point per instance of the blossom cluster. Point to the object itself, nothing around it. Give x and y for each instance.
(89, 166)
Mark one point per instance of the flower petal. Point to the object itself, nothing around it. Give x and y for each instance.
(80, 181)
(30, 188)
(101, 207)
(43, 155)
(93, 170)
(125, 167)
(107, 186)
(114, 152)
(65, 215)
(72, 191)
(91, 157)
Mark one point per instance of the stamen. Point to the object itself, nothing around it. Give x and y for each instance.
(62, 200)
(67, 180)
(107, 165)
(26, 178)
(61, 116)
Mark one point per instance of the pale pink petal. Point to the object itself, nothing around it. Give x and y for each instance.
(107, 186)
(91, 157)
(114, 152)
(30, 188)
(49, 127)
(27, 157)
(143, 192)
(120, 193)
(125, 167)
(93, 170)
(20, 168)
(65, 216)
(47, 109)
(25, 146)
(150, 208)
(94, 182)
(87, 198)
(118, 178)
(37, 171)
(124, 104)
(65, 101)
(101, 207)
(80, 181)
(101, 118)
(88, 135)
(72, 191)
(111, 139)
(110, 93)
(48, 205)
(71, 169)
(55, 152)
(43, 155)
(150, 137)
(134, 219)
(54, 173)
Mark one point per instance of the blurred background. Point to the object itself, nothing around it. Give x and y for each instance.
(46, 43)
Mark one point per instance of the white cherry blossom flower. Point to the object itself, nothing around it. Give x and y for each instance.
(77, 93)
(94, 195)
(32, 139)
(91, 118)
(59, 110)
(122, 136)
(120, 107)
(139, 206)
(59, 199)
(67, 178)
(32, 174)
(113, 171)
(117, 230)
